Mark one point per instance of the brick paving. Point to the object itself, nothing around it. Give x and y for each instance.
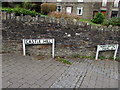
(89, 74)
(0, 71)
(25, 72)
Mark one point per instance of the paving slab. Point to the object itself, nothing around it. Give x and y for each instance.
(26, 72)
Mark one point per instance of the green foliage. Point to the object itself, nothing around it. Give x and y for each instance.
(19, 11)
(86, 57)
(117, 59)
(102, 57)
(27, 5)
(8, 10)
(115, 21)
(47, 8)
(92, 57)
(17, 6)
(81, 57)
(110, 58)
(88, 21)
(63, 61)
(98, 18)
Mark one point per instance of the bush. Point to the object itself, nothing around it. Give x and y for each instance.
(47, 8)
(8, 10)
(98, 18)
(19, 11)
(63, 15)
(36, 7)
(115, 21)
(27, 5)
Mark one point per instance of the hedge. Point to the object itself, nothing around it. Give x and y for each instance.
(46, 8)
(19, 11)
(115, 21)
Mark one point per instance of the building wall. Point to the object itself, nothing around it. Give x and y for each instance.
(106, 9)
(119, 10)
(87, 12)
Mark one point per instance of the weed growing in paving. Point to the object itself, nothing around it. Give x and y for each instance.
(110, 58)
(63, 60)
(86, 57)
(93, 57)
(83, 57)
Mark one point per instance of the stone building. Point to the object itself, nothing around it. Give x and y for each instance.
(88, 9)
(77, 7)
(85, 9)
(109, 9)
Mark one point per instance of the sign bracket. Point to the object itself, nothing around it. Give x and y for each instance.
(105, 48)
(39, 41)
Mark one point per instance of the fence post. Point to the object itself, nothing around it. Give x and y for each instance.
(21, 17)
(42, 18)
(50, 20)
(8, 16)
(28, 18)
(12, 15)
(37, 18)
(18, 18)
(4, 15)
(25, 18)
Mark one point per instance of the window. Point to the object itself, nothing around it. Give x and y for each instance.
(116, 2)
(80, 0)
(114, 14)
(104, 3)
(59, 0)
(79, 10)
(59, 8)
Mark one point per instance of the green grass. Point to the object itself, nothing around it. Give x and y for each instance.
(117, 59)
(92, 57)
(110, 58)
(63, 61)
(89, 21)
(102, 57)
(81, 57)
(44, 15)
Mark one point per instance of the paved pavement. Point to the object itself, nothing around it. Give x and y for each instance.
(0, 71)
(89, 74)
(26, 72)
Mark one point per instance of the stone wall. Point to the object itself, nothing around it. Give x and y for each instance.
(71, 38)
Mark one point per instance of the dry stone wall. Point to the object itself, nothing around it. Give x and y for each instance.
(71, 37)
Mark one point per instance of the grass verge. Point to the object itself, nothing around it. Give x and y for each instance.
(89, 21)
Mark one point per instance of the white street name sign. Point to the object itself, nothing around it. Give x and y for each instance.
(38, 41)
(107, 47)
